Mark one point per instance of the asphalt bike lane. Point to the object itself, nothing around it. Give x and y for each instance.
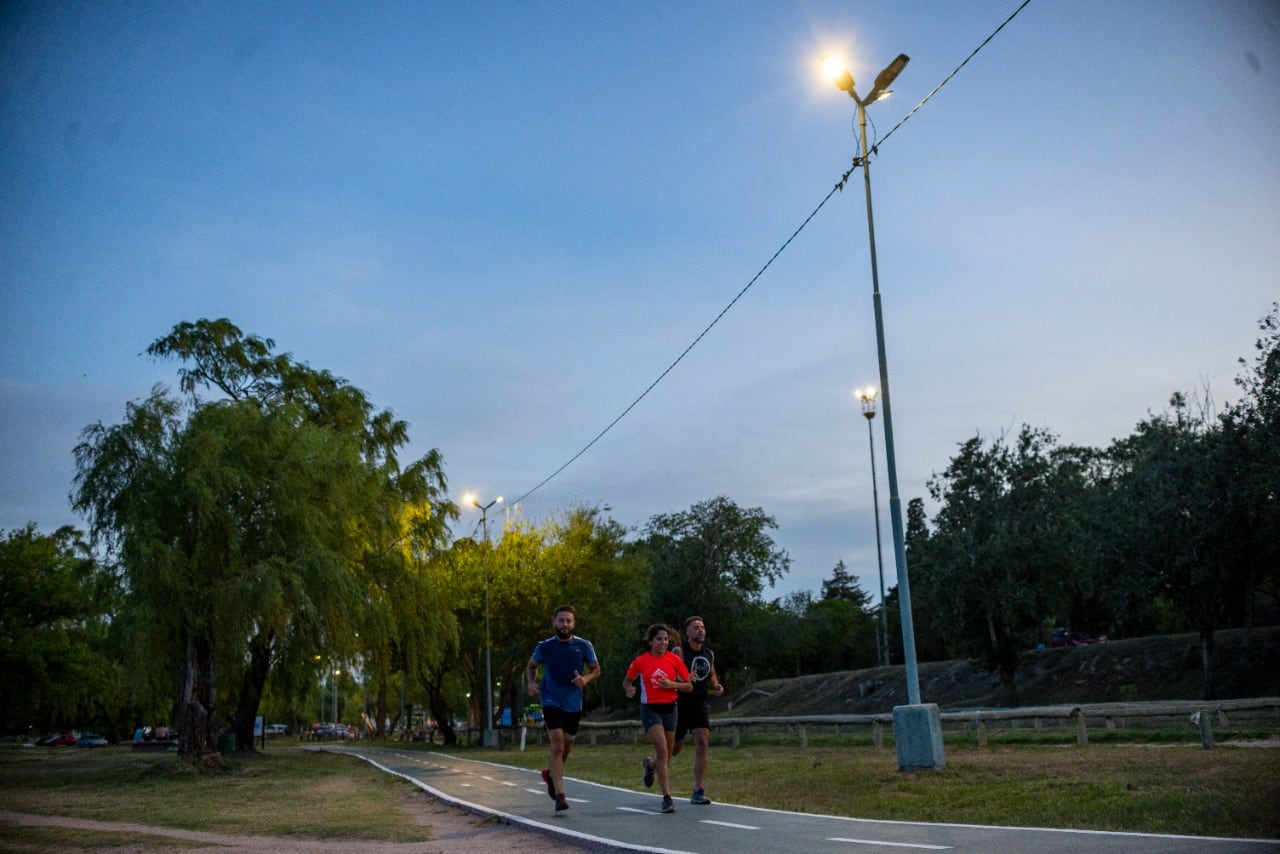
(627, 820)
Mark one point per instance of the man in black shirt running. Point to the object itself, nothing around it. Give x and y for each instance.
(693, 713)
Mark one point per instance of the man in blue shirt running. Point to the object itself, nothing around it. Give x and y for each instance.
(568, 663)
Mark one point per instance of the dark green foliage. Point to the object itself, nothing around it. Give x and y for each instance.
(55, 604)
(252, 529)
(1172, 528)
(715, 560)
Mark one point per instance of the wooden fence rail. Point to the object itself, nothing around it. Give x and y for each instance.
(1200, 712)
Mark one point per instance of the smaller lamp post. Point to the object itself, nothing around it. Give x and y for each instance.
(868, 398)
(490, 738)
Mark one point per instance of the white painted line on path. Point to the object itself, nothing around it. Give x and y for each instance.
(890, 844)
(729, 824)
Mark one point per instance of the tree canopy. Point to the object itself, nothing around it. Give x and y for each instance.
(253, 515)
(56, 601)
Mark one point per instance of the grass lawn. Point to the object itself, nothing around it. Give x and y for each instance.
(1152, 787)
(1142, 787)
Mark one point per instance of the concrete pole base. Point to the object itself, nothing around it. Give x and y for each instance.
(917, 732)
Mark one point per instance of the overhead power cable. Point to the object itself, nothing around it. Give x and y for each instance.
(838, 186)
(956, 71)
(686, 350)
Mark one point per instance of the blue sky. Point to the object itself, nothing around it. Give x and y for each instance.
(504, 220)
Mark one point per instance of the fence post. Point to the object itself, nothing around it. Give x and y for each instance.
(982, 732)
(804, 737)
(1205, 719)
(1082, 729)
(737, 739)
(877, 732)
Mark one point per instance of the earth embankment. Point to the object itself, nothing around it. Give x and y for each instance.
(1153, 668)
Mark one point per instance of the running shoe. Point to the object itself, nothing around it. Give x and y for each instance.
(699, 797)
(648, 772)
(551, 784)
(561, 804)
(667, 805)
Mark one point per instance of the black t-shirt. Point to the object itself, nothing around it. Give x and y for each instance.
(700, 663)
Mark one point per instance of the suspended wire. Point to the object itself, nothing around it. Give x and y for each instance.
(874, 148)
(857, 161)
(686, 350)
(952, 74)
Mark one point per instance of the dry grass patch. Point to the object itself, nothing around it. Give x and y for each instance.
(55, 839)
(286, 792)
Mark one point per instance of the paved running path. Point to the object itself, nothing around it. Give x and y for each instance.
(623, 819)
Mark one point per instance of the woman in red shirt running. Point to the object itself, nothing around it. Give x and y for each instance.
(662, 674)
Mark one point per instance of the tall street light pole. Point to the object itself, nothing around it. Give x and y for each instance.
(918, 730)
(489, 737)
(868, 398)
(844, 81)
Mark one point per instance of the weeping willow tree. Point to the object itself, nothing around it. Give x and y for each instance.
(244, 523)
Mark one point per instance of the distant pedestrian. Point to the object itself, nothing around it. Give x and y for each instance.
(694, 712)
(663, 676)
(568, 663)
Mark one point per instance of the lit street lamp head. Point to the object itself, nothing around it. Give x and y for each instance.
(834, 68)
(844, 80)
(885, 78)
(868, 398)
(471, 499)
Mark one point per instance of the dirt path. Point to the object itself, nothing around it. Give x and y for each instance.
(452, 830)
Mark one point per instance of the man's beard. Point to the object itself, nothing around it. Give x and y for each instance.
(564, 634)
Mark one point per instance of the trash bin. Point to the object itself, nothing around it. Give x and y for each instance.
(227, 742)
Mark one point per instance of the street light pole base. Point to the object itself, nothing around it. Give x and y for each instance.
(917, 732)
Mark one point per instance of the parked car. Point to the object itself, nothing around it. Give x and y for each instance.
(276, 729)
(91, 739)
(1065, 637)
(59, 739)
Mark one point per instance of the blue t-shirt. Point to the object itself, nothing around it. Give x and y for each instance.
(560, 660)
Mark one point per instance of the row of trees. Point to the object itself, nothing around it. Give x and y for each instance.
(258, 533)
(1173, 528)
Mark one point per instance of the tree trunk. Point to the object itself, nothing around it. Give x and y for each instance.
(197, 701)
(381, 729)
(439, 709)
(1012, 699)
(440, 712)
(251, 685)
(1208, 682)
